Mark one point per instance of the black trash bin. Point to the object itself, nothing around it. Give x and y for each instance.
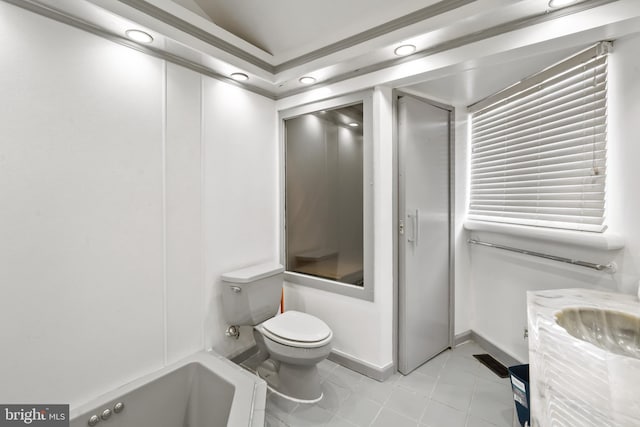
(520, 385)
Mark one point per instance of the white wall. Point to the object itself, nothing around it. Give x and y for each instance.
(462, 283)
(500, 280)
(183, 190)
(241, 200)
(623, 155)
(126, 186)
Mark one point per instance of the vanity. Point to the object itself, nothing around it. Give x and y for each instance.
(584, 355)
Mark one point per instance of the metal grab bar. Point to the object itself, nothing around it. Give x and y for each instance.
(610, 268)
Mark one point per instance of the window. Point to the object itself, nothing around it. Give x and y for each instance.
(325, 154)
(539, 148)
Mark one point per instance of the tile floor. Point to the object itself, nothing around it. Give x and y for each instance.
(451, 390)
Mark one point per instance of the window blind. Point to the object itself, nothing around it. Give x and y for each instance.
(539, 148)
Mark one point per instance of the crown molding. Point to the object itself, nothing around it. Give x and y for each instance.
(375, 32)
(438, 8)
(197, 32)
(458, 42)
(80, 24)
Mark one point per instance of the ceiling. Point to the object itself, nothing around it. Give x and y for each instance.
(477, 82)
(275, 43)
(289, 28)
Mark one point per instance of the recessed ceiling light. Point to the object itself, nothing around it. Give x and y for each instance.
(139, 36)
(404, 50)
(561, 3)
(354, 124)
(241, 77)
(307, 80)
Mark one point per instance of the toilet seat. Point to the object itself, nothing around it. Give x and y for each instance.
(296, 329)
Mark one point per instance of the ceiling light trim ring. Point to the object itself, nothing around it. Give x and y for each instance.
(139, 36)
(239, 77)
(555, 4)
(404, 50)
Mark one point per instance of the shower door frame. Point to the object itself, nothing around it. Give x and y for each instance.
(397, 94)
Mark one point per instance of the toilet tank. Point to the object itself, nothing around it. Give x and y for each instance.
(252, 295)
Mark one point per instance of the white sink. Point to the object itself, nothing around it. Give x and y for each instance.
(612, 331)
(584, 356)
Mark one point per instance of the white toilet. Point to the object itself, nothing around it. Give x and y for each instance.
(293, 341)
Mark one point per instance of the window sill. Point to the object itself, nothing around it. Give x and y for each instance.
(606, 241)
(361, 292)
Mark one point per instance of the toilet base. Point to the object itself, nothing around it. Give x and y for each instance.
(296, 383)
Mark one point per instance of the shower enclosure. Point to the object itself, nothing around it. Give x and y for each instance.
(324, 194)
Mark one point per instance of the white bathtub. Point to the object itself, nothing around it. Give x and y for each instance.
(202, 390)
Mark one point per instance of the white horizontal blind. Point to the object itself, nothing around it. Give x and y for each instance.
(539, 153)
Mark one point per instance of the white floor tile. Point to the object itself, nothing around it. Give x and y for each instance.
(341, 388)
(272, 421)
(468, 348)
(277, 405)
(451, 390)
(347, 374)
(337, 421)
(309, 415)
(492, 402)
(345, 379)
(477, 422)
(409, 403)
(333, 396)
(490, 391)
(432, 367)
(359, 410)
(325, 368)
(485, 373)
(390, 418)
(375, 390)
(438, 415)
(464, 363)
(457, 377)
(456, 396)
(418, 382)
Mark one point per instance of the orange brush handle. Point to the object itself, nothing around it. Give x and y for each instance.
(282, 301)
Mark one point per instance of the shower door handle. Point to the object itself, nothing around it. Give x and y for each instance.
(414, 218)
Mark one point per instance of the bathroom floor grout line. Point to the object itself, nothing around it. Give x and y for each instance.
(347, 385)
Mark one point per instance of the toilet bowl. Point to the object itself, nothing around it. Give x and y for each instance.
(291, 344)
(296, 342)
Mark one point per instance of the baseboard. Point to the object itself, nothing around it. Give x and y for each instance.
(343, 359)
(244, 355)
(462, 338)
(495, 351)
(361, 367)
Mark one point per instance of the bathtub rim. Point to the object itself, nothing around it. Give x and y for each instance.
(249, 399)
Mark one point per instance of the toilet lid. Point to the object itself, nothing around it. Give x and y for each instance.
(296, 326)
